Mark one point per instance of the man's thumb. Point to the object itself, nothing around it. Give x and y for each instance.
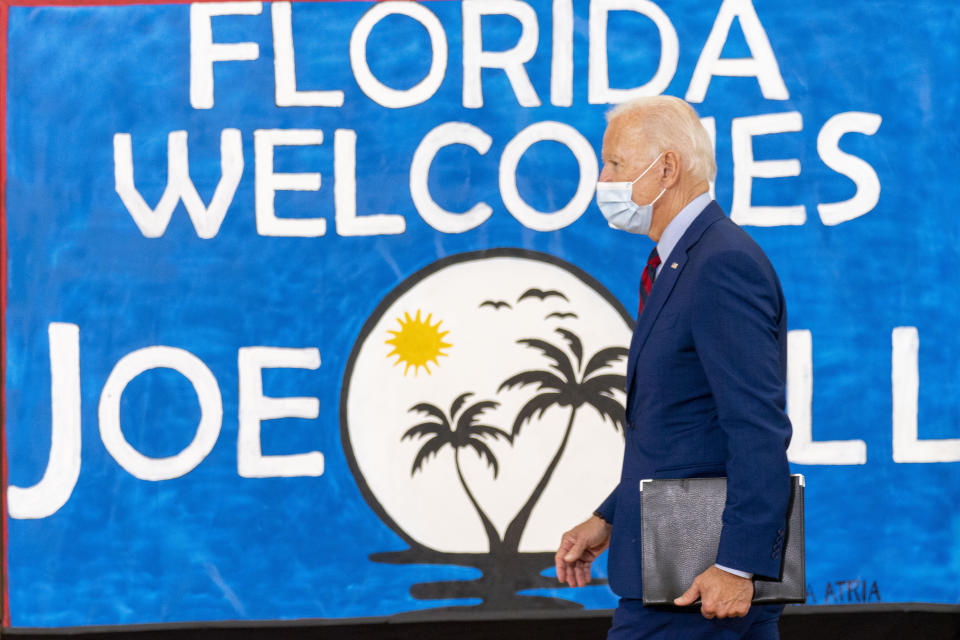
(575, 552)
(689, 597)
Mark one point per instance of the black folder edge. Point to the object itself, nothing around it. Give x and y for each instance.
(801, 483)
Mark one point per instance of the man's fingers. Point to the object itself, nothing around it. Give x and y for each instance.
(563, 568)
(735, 611)
(558, 559)
(721, 595)
(689, 596)
(583, 573)
(566, 569)
(578, 548)
(575, 552)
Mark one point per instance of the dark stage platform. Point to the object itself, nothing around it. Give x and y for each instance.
(901, 621)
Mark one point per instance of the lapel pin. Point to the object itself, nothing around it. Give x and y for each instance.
(674, 265)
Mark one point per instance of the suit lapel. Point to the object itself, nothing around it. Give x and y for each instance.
(664, 283)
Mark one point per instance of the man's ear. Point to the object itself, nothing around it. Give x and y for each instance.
(669, 169)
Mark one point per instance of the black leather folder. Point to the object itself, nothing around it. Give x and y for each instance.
(681, 521)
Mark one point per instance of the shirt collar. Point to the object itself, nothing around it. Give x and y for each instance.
(679, 225)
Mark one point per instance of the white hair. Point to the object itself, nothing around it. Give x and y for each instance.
(669, 123)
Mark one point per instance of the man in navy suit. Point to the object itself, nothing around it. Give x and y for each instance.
(705, 381)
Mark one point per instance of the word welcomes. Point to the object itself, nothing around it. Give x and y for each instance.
(204, 53)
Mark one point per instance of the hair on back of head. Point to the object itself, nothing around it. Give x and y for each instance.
(669, 123)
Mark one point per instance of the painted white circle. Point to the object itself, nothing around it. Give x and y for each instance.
(485, 305)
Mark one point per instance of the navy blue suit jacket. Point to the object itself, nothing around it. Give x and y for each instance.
(706, 383)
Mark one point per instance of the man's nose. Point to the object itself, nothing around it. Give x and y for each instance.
(605, 174)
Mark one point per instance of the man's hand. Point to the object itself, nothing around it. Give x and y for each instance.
(579, 547)
(722, 594)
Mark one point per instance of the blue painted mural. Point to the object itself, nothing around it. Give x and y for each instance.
(283, 280)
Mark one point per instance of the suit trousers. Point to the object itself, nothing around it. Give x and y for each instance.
(633, 621)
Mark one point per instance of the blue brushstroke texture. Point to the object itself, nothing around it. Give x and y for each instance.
(212, 545)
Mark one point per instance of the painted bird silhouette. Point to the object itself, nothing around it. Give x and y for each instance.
(541, 294)
(496, 304)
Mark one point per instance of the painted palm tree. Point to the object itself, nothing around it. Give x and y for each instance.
(564, 385)
(467, 433)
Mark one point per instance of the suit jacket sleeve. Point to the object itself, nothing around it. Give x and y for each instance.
(739, 326)
(609, 506)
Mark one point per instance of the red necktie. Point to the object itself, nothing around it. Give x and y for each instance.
(646, 281)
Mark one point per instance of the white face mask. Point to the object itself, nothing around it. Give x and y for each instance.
(615, 200)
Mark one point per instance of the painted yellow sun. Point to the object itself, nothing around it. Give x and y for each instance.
(417, 343)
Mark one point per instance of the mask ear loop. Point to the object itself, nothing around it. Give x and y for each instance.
(648, 169)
